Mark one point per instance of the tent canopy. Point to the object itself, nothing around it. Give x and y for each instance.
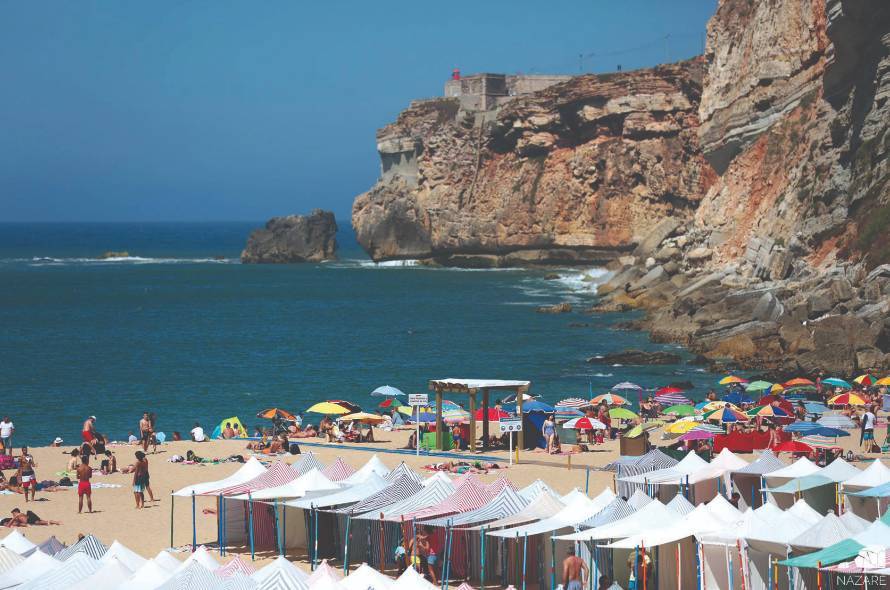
(652, 516)
(874, 475)
(577, 510)
(251, 469)
(312, 482)
(832, 554)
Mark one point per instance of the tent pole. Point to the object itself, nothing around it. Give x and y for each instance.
(284, 530)
(729, 566)
(552, 563)
(645, 569)
(769, 572)
(194, 525)
(587, 481)
(482, 556)
(635, 571)
(819, 575)
(172, 499)
(382, 544)
(524, 558)
(219, 524)
(222, 511)
(591, 560)
(679, 568)
(346, 546)
(414, 534)
(699, 565)
(315, 534)
(741, 563)
(250, 524)
(277, 529)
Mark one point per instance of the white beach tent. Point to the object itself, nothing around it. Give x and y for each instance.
(111, 574)
(653, 515)
(411, 580)
(371, 484)
(872, 476)
(578, 509)
(166, 560)
(542, 506)
(193, 576)
(151, 575)
(749, 479)
(76, 568)
(281, 574)
(367, 578)
(251, 469)
(35, 565)
(820, 489)
(827, 531)
(430, 495)
(440, 476)
(9, 559)
(322, 571)
(680, 505)
(202, 557)
(17, 542)
(855, 524)
(800, 468)
(311, 482)
(373, 466)
(638, 499)
(668, 479)
(132, 560)
(239, 581)
(534, 489)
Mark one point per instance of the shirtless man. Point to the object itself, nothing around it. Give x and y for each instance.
(27, 519)
(89, 430)
(574, 571)
(84, 473)
(27, 477)
(145, 431)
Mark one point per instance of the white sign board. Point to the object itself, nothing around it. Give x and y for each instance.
(418, 399)
(510, 424)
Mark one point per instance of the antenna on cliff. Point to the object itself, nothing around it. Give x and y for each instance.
(580, 63)
(667, 48)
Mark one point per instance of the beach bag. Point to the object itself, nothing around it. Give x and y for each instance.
(65, 481)
(294, 448)
(7, 462)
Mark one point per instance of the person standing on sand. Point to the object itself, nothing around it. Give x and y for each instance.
(574, 571)
(27, 477)
(84, 473)
(140, 479)
(7, 428)
(145, 431)
(89, 431)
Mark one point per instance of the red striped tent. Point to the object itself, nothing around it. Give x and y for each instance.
(235, 566)
(307, 463)
(338, 470)
(278, 474)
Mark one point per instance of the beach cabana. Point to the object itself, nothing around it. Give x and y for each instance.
(374, 465)
(89, 545)
(533, 489)
(34, 566)
(357, 492)
(471, 388)
(821, 488)
(365, 577)
(540, 507)
(281, 574)
(749, 479)
(252, 468)
(119, 552)
(193, 576)
(306, 463)
(111, 574)
(73, 570)
(9, 559)
(800, 468)
(630, 466)
(17, 542)
(867, 506)
(654, 481)
(151, 575)
(51, 546)
(339, 470)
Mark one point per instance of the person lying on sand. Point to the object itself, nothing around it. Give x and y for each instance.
(28, 518)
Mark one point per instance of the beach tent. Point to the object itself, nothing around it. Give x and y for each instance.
(166, 560)
(411, 580)
(77, 567)
(151, 575)
(468, 495)
(372, 484)
(202, 557)
(651, 516)
(51, 546)
(440, 476)
(542, 506)
(251, 469)
(308, 462)
(681, 505)
(281, 574)
(577, 510)
(129, 558)
(800, 468)
(429, 496)
(400, 470)
(338, 470)
(278, 474)
(667, 482)
(534, 489)
(111, 574)
(192, 576)
(9, 559)
(872, 476)
(507, 502)
(240, 431)
(614, 510)
(322, 572)
(367, 578)
(400, 489)
(638, 500)
(89, 545)
(827, 531)
(629, 466)
(238, 581)
(374, 465)
(16, 541)
(235, 566)
(35, 565)
(313, 482)
(749, 479)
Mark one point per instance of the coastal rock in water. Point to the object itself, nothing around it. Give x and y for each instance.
(636, 357)
(113, 254)
(564, 307)
(295, 238)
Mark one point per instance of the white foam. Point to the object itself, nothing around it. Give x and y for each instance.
(388, 263)
(51, 261)
(587, 280)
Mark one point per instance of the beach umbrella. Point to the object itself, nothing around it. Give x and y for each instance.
(622, 414)
(346, 404)
(536, 406)
(815, 407)
(799, 382)
(329, 408)
(836, 421)
(846, 399)
(776, 388)
(835, 382)
(884, 381)
(730, 379)
(712, 428)
(668, 390)
(563, 414)
(737, 398)
(803, 427)
(388, 390)
(572, 402)
(390, 403)
(697, 435)
(511, 399)
(680, 410)
(641, 428)
(725, 415)
(626, 386)
(585, 423)
(818, 441)
(829, 431)
(494, 414)
(363, 417)
(610, 398)
(866, 380)
(793, 446)
(276, 414)
(671, 396)
(768, 411)
(758, 386)
(681, 426)
(455, 416)
(716, 405)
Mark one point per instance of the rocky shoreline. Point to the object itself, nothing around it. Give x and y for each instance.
(293, 239)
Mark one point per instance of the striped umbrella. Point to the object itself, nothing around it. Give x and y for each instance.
(725, 415)
(769, 411)
(818, 441)
(626, 386)
(611, 399)
(705, 427)
(846, 399)
(670, 398)
(585, 423)
(866, 380)
(572, 402)
(803, 427)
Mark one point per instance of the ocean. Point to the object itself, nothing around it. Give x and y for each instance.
(181, 328)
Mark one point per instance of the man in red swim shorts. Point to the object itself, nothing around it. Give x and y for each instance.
(84, 473)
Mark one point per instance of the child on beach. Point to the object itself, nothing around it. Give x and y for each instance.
(84, 473)
(109, 463)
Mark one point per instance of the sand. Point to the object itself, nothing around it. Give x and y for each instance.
(147, 531)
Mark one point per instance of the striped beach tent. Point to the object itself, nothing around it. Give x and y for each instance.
(237, 565)
(614, 510)
(238, 582)
(193, 576)
(281, 574)
(402, 488)
(89, 545)
(202, 557)
(9, 559)
(401, 470)
(544, 505)
(34, 566)
(51, 546)
(350, 495)
(629, 466)
(505, 503)
(77, 567)
(680, 505)
(534, 489)
(338, 470)
(278, 474)
(469, 495)
(308, 462)
(638, 499)
(430, 495)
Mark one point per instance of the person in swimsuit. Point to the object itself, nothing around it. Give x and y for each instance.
(27, 519)
(140, 479)
(574, 571)
(84, 473)
(145, 431)
(27, 477)
(548, 429)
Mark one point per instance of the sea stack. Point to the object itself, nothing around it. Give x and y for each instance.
(292, 239)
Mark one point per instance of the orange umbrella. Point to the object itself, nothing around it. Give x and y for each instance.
(276, 414)
(846, 399)
(798, 382)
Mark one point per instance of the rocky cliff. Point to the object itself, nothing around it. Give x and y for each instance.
(295, 238)
(578, 172)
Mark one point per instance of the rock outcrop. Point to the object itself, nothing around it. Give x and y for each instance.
(578, 172)
(295, 238)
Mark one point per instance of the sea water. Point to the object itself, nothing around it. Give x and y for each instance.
(179, 327)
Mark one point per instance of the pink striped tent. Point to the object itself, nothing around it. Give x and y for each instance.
(278, 474)
(338, 470)
(469, 495)
(235, 566)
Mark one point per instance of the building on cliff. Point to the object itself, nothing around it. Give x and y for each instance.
(485, 91)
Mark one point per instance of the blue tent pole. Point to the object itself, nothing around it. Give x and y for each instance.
(346, 545)
(172, 499)
(769, 572)
(552, 563)
(277, 529)
(698, 567)
(482, 551)
(219, 524)
(524, 558)
(315, 533)
(636, 569)
(593, 566)
(284, 530)
(587, 482)
(194, 525)
(250, 524)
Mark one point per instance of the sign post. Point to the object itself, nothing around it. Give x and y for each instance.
(510, 426)
(417, 400)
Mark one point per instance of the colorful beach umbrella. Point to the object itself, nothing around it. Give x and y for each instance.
(680, 410)
(671, 396)
(626, 386)
(803, 427)
(836, 382)
(836, 421)
(776, 389)
(697, 435)
(737, 398)
(363, 417)
(572, 402)
(768, 411)
(884, 381)
(641, 428)
(758, 386)
(390, 403)
(727, 414)
(730, 379)
(716, 405)
(705, 427)
(866, 380)
(388, 390)
(846, 399)
(611, 399)
(815, 407)
(494, 414)
(585, 423)
(276, 414)
(799, 382)
(793, 446)
(818, 441)
(622, 414)
(681, 426)
(329, 408)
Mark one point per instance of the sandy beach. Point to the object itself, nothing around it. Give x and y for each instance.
(147, 531)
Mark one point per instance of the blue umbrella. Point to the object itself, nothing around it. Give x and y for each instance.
(536, 406)
(835, 382)
(815, 407)
(737, 398)
(827, 431)
(387, 390)
(808, 427)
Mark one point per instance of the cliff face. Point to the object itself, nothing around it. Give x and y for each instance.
(295, 238)
(578, 172)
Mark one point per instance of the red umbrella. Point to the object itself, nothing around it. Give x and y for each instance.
(668, 390)
(494, 414)
(768, 400)
(793, 446)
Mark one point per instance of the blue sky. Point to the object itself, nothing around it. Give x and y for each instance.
(197, 110)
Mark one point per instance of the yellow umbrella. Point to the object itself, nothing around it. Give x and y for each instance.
(884, 381)
(328, 408)
(362, 417)
(641, 428)
(846, 399)
(716, 405)
(729, 379)
(681, 426)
